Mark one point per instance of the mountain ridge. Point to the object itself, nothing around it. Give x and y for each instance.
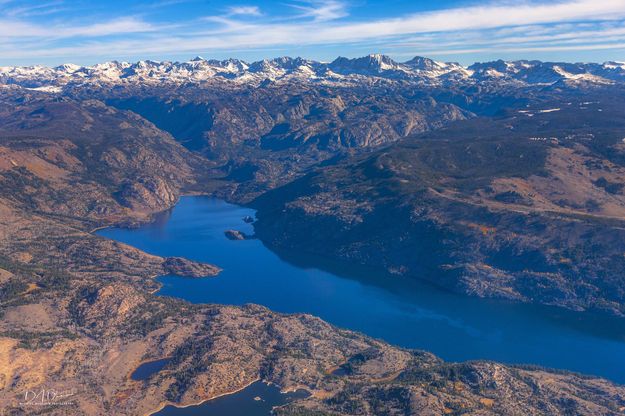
(479, 179)
(342, 69)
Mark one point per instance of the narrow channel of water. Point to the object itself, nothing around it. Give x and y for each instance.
(399, 311)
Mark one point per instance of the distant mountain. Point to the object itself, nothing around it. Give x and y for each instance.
(501, 180)
(272, 119)
(537, 72)
(368, 65)
(341, 70)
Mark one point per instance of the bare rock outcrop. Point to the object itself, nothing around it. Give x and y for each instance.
(188, 268)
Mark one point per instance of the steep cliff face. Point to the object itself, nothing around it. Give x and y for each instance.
(267, 135)
(302, 115)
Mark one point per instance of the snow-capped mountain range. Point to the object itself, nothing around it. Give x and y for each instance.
(375, 66)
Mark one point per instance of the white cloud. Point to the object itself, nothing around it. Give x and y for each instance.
(318, 24)
(40, 9)
(321, 10)
(244, 10)
(17, 29)
(480, 17)
(527, 26)
(112, 27)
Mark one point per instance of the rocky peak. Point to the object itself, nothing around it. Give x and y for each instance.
(424, 64)
(371, 64)
(285, 68)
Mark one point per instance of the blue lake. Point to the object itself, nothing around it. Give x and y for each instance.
(147, 369)
(255, 400)
(400, 311)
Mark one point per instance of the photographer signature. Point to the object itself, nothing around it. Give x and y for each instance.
(48, 397)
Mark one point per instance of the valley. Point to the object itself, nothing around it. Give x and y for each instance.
(495, 181)
(401, 311)
(492, 212)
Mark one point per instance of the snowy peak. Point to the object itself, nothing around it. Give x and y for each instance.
(367, 65)
(68, 68)
(370, 68)
(430, 68)
(420, 63)
(382, 65)
(537, 72)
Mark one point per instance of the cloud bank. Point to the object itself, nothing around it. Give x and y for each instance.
(570, 25)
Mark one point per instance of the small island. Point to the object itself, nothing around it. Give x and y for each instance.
(236, 235)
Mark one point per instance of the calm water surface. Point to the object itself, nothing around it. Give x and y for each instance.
(147, 369)
(397, 310)
(256, 400)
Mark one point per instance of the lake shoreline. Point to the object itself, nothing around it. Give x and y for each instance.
(395, 310)
(165, 404)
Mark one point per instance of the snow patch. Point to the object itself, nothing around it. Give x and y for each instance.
(47, 88)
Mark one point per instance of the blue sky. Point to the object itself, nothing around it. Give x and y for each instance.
(52, 32)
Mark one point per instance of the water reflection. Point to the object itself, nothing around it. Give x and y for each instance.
(398, 310)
